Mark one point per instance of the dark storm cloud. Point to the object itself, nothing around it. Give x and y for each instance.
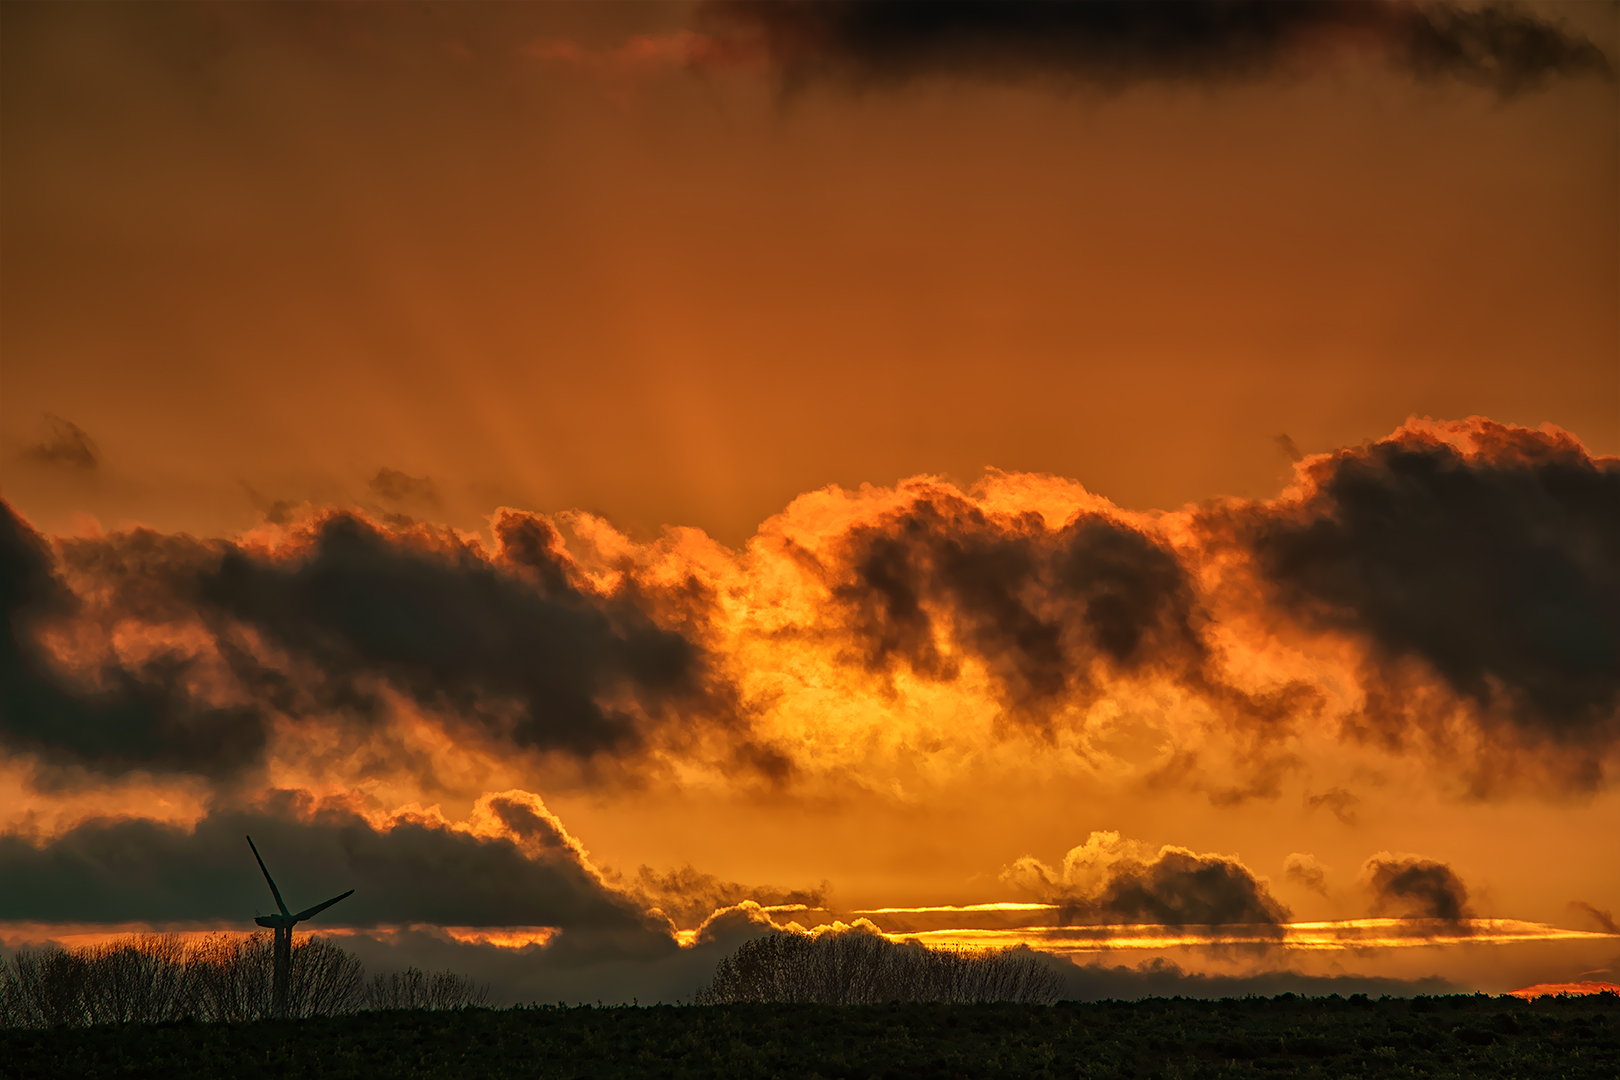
(1418, 888)
(1180, 888)
(133, 716)
(65, 446)
(1043, 609)
(414, 872)
(506, 643)
(1053, 614)
(1118, 42)
(458, 631)
(1498, 569)
(1105, 881)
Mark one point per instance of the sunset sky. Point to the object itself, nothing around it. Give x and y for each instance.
(605, 480)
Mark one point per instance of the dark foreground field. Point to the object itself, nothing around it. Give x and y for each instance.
(1276, 1037)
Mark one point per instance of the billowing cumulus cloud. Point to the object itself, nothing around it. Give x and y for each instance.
(1118, 42)
(1486, 555)
(439, 617)
(1055, 614)
(1107, 879)
(1419, 888)
(1043, 608)
(139, 650)
(124, 713)
(1452, 589)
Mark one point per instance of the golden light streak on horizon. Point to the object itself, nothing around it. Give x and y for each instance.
(1343, 934)
(1316, 936)
(957, 907)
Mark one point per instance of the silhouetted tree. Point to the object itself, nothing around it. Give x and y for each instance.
(858, 967)
(223, 977)
(47, 988)
(414, 988)
(326, 980)
(140, 979)
(230, 976)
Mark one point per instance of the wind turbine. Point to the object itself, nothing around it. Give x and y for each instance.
(283, 925)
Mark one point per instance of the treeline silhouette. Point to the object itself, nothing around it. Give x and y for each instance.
(861, 968)
(147, 978)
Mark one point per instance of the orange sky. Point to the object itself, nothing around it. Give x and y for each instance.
(286, 248)
(681, 300)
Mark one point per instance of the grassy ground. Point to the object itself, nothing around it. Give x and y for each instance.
(1462, 1037)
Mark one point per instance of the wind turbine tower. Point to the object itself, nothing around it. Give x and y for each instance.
(283, 924)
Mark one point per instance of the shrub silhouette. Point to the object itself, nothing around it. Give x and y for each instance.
(858, 967)
(46, 989)
(140, 979)
(230, 977)
(154, 977)
(414, 988)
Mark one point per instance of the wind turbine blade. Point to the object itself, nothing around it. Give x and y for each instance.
(318, 908)
(273, 890)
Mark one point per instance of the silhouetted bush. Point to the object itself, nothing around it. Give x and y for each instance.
(154, 977)
(414, 988)
(46, 989)
(230, 976)
(857, 967)
(326, 980)
(140, 979)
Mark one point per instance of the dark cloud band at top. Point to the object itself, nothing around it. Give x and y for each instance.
(1117, 42)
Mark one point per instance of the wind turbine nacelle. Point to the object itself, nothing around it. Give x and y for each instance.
(274, 922)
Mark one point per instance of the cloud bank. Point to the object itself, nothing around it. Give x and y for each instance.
(1461, 579)
(180, 655)
(1114, 43)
